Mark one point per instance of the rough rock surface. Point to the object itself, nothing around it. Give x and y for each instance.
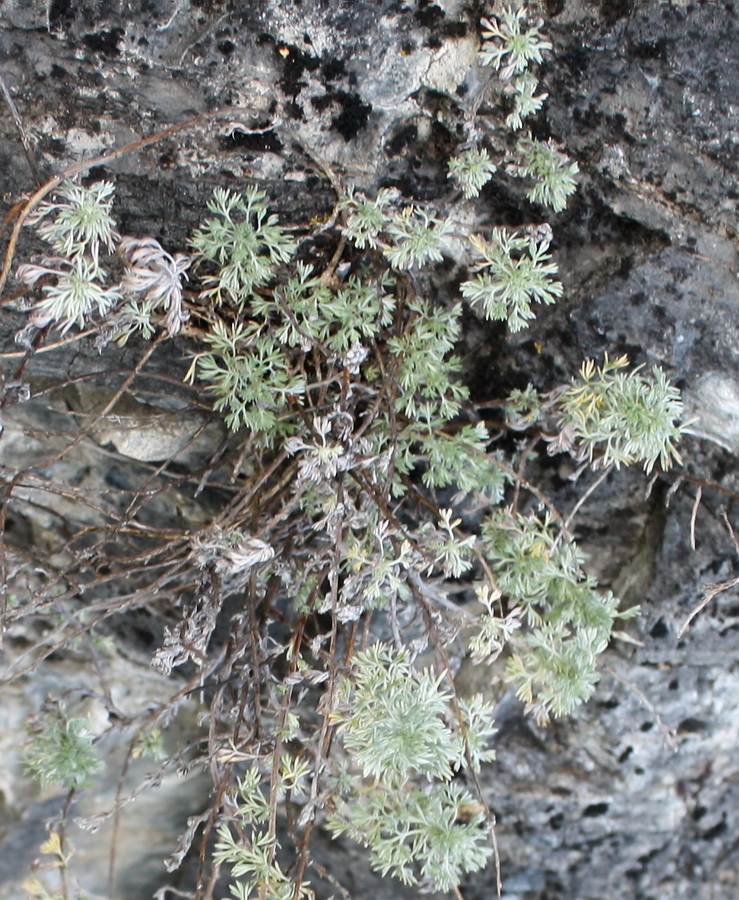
(645, 96)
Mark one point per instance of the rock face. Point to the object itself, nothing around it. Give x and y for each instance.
(635, 796)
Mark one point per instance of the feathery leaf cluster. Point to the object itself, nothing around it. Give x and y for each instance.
(408, 237)
(629, 416)
(366, 219)
(62, 751)
(244, 241)
(418, 833)
(569, 622)
(425, 370)
(249, 376)
(395, 724)
(515, 274)
(79, 221)
(253, 865)
(507, 46)
(76, 294)
(472, 170)
(306, 313)
(526, 102)
(553, 170)
(78, 290)
(77, 224)
(417, 237)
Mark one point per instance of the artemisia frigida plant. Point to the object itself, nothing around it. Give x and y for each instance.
(333, 700)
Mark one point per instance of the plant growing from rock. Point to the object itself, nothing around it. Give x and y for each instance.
(360, 466)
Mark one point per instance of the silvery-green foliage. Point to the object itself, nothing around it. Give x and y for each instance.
(305, 313)
(426, 373)
(254, 867)
(479, 729)
(526, 102)
(553, 170)
(78, 221)
(250, 857)
(133, 316)
(78, 224)
(508, 46)
(250, 377)
(295, 309)
(568, 622)
(151, 744)
(397, 723)
(376, 567)
(253, 805)
(450, 552)
(408, 237)
(245, 243)
(523, 407)
(541, 572)
(628, 417)
(416, 238)
(325, 455)
(366, 219)
(555, 669)
(493, 632)
(353, 313)
(62, 751)
(472, 170)
(77, 292)
(460, 458)
(295, 772)
(418, 834)
(515, 273)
